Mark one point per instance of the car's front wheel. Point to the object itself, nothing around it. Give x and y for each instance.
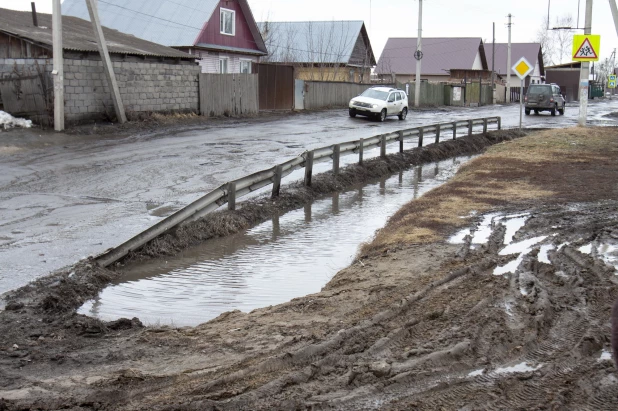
(352, 112)
(382, 116)
(403, 114)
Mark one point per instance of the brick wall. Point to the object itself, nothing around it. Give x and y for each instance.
(144, 87)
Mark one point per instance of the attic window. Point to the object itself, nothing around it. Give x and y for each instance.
(228, 20)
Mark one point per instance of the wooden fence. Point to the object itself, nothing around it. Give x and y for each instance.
(228, 94)
(325, 94)
(229, 192)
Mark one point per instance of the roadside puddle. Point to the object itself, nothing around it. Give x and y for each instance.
(289, 256)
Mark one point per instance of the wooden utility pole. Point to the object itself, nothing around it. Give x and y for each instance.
(493, 69)
(584, 74)
(107, 63)
(508, 65)
(417, 89)
(58, 69)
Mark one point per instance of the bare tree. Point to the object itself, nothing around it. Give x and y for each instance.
(563, 37)
(546, 39)
(320, 49)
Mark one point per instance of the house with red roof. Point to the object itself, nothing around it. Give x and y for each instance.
(222, 34)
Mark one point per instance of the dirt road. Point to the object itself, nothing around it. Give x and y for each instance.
(511, 314)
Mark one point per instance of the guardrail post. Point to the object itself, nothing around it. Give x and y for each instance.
(469, 128)
(454, 130)
(231, 196)
(308, 168)
(336, 155)
(360, 151)
(437, 133)
(277, 181)
(401, 141)
(499, 123)
(420, 136)
(484, 126)
(383, 146)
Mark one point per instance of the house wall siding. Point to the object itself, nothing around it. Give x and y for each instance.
(211, 34)
(209, 61)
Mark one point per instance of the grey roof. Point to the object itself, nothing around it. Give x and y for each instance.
(440, 54)
(176, 23)
(77, 35)
(531, 51)
(311, 41)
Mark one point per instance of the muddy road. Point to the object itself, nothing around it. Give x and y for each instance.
(492, 292)
(65, 197)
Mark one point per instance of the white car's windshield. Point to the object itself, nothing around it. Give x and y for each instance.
(378, 95)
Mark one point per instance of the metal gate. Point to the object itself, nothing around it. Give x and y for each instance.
(276, 86)
(28, 95)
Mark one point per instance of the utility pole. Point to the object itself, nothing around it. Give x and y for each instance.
(585, 72)
(58, 69)
(493, 59)
(508, 65)
(612, 5)
(417, 89)
(107, 63)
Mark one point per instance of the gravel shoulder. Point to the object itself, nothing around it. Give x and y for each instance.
(416, 322)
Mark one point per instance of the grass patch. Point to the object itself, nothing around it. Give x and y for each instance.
(548, 166)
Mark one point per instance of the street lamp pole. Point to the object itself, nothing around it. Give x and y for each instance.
(417, 89)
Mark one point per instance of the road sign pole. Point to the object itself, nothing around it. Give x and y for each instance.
(521, 102)
(584, 74)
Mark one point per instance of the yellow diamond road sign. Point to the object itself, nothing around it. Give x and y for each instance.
(522, 68)
(586, 47)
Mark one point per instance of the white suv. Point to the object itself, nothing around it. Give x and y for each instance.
(380, 102)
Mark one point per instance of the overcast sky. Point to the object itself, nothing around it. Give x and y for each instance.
(441, 18)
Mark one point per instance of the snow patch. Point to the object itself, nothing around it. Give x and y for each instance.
(8, 121)
(543, 253)
(605, 356)
(521, 367)
(476, 373)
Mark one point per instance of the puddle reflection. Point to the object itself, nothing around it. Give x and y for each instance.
(291, 255)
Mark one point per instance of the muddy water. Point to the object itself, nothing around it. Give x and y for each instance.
(292, 255)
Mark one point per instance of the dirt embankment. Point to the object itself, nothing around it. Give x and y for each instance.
(416, 323)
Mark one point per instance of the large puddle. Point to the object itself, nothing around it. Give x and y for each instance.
(290, 256)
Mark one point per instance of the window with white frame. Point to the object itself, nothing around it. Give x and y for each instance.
(245, 66)
(223, 65)
(228, 19)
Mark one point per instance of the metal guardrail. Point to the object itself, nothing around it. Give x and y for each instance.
(228, 192)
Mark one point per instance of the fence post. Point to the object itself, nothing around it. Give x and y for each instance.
(231, 196)
(454, 130)
(277, 181)
(401, 141)
(360, 151)
(437, 133)
(499, 123)
(308, 168)
(420, 136)
(336, 155)
(383, 146)
(469, 128)
(484, 126)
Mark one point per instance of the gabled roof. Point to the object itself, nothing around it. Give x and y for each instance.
(531, 51)
(174, 23)
(440, 54)
(330, 42)
(77, 35)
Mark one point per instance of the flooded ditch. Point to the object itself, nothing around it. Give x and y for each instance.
(290, 256)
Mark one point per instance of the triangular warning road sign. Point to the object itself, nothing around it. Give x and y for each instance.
(585, 51)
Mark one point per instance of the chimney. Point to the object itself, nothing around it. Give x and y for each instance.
(34, 20)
